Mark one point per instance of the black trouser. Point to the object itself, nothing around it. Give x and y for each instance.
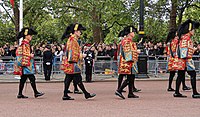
(23, 80)
(47, 71)
(171, 76)
(77, 79)
(193, 81)
(120, 79)
(129, 82)
(192, 78)
(88, 71)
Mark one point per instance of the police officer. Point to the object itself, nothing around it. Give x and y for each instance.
(25, 62)
(127, 65)
(89, 63)
(71, 63)
(47, 62)
(185, 52)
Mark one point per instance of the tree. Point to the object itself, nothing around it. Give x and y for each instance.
(103, 18)
(94, 14)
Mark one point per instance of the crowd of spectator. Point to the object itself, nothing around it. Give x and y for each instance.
(8, 49)
(101, 49)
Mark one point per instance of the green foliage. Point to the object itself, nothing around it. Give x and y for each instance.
(7, 33)
(193, 12)
(50, 18)
(156, 30)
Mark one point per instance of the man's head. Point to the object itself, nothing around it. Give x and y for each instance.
(171, 35)
(129, 31)
(48, 47)
(73, 29)
(187, 27)
(26, 33)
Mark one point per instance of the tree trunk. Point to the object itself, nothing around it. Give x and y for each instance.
(172, 23)
(97, 31)
(16, 17)
(180, 15)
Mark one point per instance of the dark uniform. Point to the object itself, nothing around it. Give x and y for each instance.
(89, 64)
(47, 62)
(185, 52)
(127, 61)
(24, 65)
(71, 62)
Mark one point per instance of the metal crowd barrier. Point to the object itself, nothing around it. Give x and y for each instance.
(103, 66)
(158, 64)
(6, 65)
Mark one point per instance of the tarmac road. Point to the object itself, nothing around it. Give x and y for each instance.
(154, 101)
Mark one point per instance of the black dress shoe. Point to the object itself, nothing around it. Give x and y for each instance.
(21, 96)
(67, 98)
(87, 96)
(132, 96)
(119, 94)
(123, 91)
(196, 95)
(186, 88)
(179, 95)
(68, 91)
(170, 89)
(39, 94)
(78, 92)
(136, 90)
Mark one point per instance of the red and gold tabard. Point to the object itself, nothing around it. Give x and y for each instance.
(186, 51)
(182, 57)
(128, 56)
(174, 45)
(71, 62)
(24, 62)
(175, 63)
(73, 49)
(186, 47)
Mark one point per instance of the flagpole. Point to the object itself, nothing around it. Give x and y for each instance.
(20, 18)
(20, 26)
